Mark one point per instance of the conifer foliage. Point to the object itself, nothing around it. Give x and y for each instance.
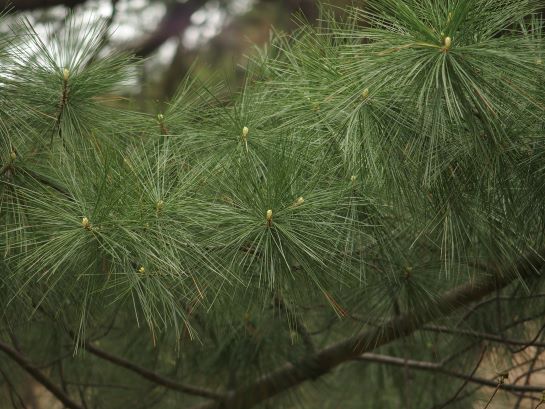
(361, 225)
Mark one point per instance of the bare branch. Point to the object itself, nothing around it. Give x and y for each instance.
(152, 376)
(528, 375)
(175, 21)
(486, 336)
(434, 367)
(26, 5)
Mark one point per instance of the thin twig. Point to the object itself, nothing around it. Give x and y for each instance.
(466, 381)
(493, 394)
(532, 342)
(486, 336)
(528, 376)
(533, 371)
(503, 298)
(438, 368)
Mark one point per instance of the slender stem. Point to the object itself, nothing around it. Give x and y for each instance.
(493, 394)
(81, 392)
(62, 105)
(466, 381)
(299, 326)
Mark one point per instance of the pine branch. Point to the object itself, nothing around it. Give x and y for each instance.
(292, 374)
(39, 376)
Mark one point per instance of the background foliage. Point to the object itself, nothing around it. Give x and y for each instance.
(368, 164)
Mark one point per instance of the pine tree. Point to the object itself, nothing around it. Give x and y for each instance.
(361, 225)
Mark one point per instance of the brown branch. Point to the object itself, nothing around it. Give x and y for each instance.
(152, 376)
(292, 374)
(26, 5)
(39, 376)
(175, 21)
(105, 33)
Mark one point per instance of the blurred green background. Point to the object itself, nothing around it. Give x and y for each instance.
(213, 38)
